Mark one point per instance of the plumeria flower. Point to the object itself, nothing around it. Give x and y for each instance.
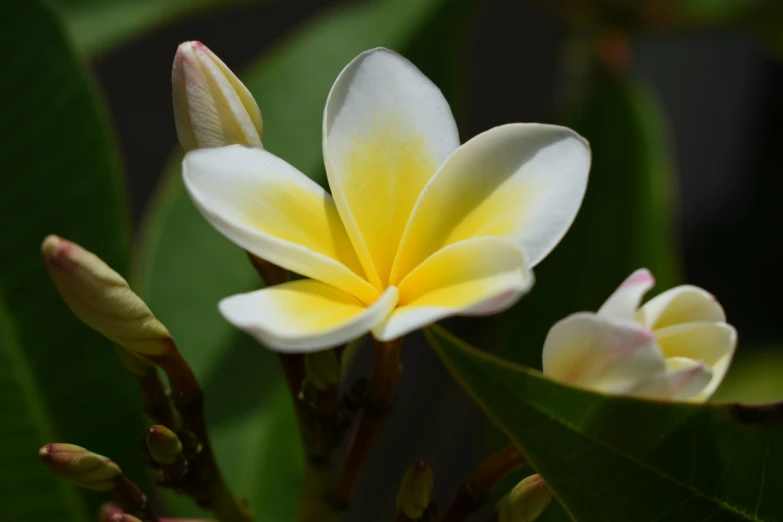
(416, 227)
(675, 347)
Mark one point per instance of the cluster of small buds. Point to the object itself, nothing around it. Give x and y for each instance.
(212, 109)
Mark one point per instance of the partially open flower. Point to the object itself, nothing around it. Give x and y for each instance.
(102, 299)
(212, 108)
(675, 347)
(417, 227)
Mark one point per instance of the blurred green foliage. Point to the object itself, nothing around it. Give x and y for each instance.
(98, 26)
(57, 154)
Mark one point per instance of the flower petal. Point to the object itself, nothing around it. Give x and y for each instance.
(305, 315)
(681, 304)
(622, 304)
(386, 130)
(272, 210)
(522, 182)
(711, 343)
(600, 353)
(474, 277)
(684, 380)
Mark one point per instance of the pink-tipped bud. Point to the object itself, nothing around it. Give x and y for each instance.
(80, 466)
(212, 108)
(102, 299)
(415, 491)
(526, 502)
(164, 445)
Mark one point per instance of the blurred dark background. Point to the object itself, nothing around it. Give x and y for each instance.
(720, 93)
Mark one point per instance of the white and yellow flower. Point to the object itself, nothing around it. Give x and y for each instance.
(675, 347)
(416, 227)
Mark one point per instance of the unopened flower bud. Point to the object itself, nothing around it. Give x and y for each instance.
(415, 491)
(526, 502)
(164, 445)
(102, 299)
(212, 108)
(80, 466)
(322, 369)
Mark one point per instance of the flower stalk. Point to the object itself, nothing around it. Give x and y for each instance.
(204, 482)
(472, 496)
(156, 400)
(383, 386)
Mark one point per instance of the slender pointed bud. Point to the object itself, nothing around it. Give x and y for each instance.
(526, 502)
(80, 466)
(102, 299)
(322, 369)
(212, 108)
(415, 491)
(164, 445)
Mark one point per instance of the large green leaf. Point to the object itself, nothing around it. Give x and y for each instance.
(185, 267)
(98, 26)
(625, 222)
(615, 459)
(59, 173)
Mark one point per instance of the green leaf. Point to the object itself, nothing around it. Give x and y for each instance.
(185, 267)
(98, 26)
(59, 173)
(616, 459)
(626, 220)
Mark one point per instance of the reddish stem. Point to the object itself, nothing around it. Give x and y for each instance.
(386, 374)
(471, 497)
